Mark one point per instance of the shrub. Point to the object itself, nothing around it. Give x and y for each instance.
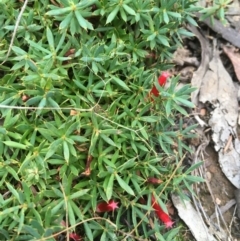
(78, 125)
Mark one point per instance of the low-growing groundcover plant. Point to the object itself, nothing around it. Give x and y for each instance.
(89, 148)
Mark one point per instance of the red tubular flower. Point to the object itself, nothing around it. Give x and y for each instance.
(107, 206)
(164, 217)
(162, 81)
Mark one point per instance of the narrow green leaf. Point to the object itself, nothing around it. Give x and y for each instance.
(123, 15)
(53, 148)
(13, 191)
(194, 178)
(88, 231)
(94, 198)
(129, 163)
(112, 15)
(174, 14)
(124, 185)
(180, 109)
(26, 162)
(141, 215)
(57, 207)
(50, 38)
(82, 21)
(193, 167)
(163, 40)
(108, 140)
(57, 192)
(38, 46)
(129, 10)
(171, 235)
(143, 131)
(184, 32)
(18, 51)
(8, 211)
(74, 170)
(168, 107)
(15, 145)
(79, 138)
(66, 151)
(185, 102)
(93, 142)
(27, 192)
(79, 193)
(77, 211)
(120, 82)
(109, 188)
(165, 17)
(71, 215)
(66, 21)
(151, 37)
(41, 105)
(12, 172)
(5, 234)
(150, 119)
(59, 11)
(21, 221)
(191, 21)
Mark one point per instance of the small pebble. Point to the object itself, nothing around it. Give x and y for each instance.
(203, 112)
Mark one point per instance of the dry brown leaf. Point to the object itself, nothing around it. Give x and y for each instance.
(235, 59)
(192, 219)
(199, 74)
(218, 89)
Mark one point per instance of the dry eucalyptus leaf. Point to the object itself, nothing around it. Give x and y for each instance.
(193, 219)
(235, 59)
(218, 88)
(229, 159)
(230, 164)
(199, 74)
(220, 129)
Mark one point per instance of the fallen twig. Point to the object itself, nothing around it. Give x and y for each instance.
(15, 30)
(224, 208)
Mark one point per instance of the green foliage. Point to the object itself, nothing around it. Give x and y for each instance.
(80, 127)
(217, 8)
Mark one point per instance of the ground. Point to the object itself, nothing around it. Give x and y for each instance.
(218, 191)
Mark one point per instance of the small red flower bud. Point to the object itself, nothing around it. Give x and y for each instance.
(25, 98)
(154, 180)
(75, 237)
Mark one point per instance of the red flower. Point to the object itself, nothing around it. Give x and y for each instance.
(164, 217)
(162, 81)
(107, 206)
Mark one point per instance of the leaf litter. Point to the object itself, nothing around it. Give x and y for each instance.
(217, 205)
